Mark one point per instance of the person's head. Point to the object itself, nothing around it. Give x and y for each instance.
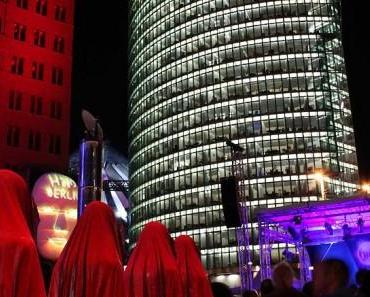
(363, 279)
(283, 276)
(221, 290)
(266, 286)
(250, 293)
(329, 276)
(308, 289)
(56, 199)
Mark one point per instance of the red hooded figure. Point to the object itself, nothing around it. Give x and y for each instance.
(194, 278)
(20, 271)
(19, 187)
(91, 263)
(152, 270)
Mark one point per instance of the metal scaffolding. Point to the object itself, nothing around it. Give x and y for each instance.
(242, 232)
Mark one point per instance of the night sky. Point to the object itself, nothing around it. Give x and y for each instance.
(101, 68)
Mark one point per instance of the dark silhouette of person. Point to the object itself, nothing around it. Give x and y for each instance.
(266, 287)
(250, 293)
(221, 290)
(331, 278)
(363, 281)
(283, 277)
(308, 289)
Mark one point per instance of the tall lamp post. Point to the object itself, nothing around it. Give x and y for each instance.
(91, 150)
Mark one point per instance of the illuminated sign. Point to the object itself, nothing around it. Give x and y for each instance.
(363, 252)
(56, 199)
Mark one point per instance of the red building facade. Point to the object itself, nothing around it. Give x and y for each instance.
(35, 83)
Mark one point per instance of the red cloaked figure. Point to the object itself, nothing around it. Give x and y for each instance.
(194, 278)
(20, 271)
(91, 263)
(20, 190)
(152, 270)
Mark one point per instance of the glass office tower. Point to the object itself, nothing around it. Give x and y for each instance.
(270, 76)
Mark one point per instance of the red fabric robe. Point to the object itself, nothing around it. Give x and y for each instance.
(20, 190)
(152, 270)
(20, 272)
(194, 278)
(91, 262)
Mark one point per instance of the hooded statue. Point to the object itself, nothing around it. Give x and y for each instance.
(152, 270)
(194, 278)
(20, 271)
(91, 263)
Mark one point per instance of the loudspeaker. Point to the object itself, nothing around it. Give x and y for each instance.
(229, 195)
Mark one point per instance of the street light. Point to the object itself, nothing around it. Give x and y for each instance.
(366, 188)
(319, 176)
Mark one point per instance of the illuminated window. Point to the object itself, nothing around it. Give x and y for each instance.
(37, 71)
(39, 38)
(60, 13)
(12, 136)
(55, 144)
(57, 76)
(42, 7)
(15, 100)
(19, 32)
(56, 109)
(17, 65)
(34, 141)
(22, 4)
(36, 105)
(58, 45)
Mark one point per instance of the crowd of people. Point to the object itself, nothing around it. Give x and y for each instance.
(331, 279)
(91, 262)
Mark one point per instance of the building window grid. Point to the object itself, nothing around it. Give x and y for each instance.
(19, 32)
(57, 76)
(39, 38)
(34, 141)
(17, 66)
(141, 193)
(320, 17)
(36, 104)
(210, 118)
(15, 100)
(55, 144)
(60, 13)
(156, 95)
(37, 71)
(267, 90)
(13, 136)
(22, 4)
(56, 110)
(42, 7)
(58, 44)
